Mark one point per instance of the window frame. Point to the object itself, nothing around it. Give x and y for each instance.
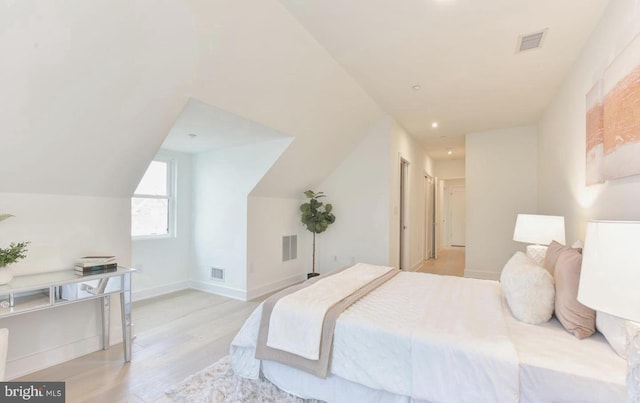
(170, 197)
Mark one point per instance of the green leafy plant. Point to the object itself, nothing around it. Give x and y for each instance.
(316, 217)
(15, 251)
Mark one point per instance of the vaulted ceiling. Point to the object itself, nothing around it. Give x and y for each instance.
(90, 89)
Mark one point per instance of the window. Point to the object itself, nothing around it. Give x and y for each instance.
(152, 202)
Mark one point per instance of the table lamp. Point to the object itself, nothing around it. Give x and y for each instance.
(610, 282)
(538, 230)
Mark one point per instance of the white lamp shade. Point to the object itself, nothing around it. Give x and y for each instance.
(610, 274)
(539, 229)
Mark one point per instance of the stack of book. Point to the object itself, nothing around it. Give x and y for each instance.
(95, 264)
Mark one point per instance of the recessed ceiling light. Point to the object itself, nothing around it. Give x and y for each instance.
(417, 87)
(434, 124)
(449, 152)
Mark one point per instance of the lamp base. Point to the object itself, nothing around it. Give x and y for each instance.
(633, 361)
(537, 253)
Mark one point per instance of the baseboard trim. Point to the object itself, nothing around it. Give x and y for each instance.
(229, 292)
(484, 275)
(275, 286)
(45, 359)
(159, 290)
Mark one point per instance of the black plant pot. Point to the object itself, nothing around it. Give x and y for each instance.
(311, 275)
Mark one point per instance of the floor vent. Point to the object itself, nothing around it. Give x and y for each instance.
(289, 247)
(217, 273)
(531, 41)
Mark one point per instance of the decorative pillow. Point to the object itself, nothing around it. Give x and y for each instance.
(614, 330)
(528, 289)
(578, 319)
(553, 251)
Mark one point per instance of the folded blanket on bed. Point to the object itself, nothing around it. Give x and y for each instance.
(297, 325)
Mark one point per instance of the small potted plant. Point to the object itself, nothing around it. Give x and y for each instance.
(316, 217)
(15, 252)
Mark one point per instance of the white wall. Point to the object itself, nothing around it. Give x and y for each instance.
(359, 190)
(449, 169)
(561, 150)
(501, 181)
(61, 229)
(222, 181)
(406, 147)
(268, 220)
(163, 264)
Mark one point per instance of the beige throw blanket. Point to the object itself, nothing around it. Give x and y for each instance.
(352, 290)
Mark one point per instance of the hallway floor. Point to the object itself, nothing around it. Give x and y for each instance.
(450, 262)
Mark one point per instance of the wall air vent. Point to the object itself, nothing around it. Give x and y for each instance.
(289, 247)
(531, 41)
(217, 273)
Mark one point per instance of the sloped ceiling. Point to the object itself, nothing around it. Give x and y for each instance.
(90, 89)
(202, 127)
(461, 52)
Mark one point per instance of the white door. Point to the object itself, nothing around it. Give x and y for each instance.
(437, 215)
(404, 215)
(457, 218)
(429, 216)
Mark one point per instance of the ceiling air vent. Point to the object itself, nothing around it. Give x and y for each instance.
(531, 41)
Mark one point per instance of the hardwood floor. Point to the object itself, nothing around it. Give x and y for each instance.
(450, 261)
(176, 335)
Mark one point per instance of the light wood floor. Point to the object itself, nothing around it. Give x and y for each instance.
(176, 335)
(450, 261)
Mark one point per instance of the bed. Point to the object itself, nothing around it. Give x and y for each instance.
(429, 338)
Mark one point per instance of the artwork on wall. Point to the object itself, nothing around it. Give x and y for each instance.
(595, 135)
(613, 119)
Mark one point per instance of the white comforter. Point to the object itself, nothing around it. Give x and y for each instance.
(434, 338)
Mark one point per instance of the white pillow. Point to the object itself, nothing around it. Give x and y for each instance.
(614, 330)
(528, 289)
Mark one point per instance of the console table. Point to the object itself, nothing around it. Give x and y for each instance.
(48, 290)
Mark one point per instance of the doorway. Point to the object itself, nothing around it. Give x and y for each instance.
(456, 215)
(404, 215)
(429, 214)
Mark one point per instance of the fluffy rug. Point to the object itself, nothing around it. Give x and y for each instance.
(218, 384)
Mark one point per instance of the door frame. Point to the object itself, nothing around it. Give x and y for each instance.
(403, 227)
(429, 217)
(449, 219)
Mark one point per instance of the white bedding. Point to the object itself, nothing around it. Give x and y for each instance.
(381, 342)
(557, 367)
(307, 308)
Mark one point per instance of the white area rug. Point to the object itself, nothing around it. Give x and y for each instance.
(218, 384)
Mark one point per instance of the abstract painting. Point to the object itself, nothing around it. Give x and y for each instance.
(595, 135)
(621, 114)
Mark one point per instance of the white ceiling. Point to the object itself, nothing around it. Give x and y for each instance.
(202, 127)
(461, 53)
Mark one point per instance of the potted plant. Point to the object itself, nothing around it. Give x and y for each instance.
(316, 217)
(12, 254)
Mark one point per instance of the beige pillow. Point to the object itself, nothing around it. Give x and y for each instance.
(550, 258)
(578, 319)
